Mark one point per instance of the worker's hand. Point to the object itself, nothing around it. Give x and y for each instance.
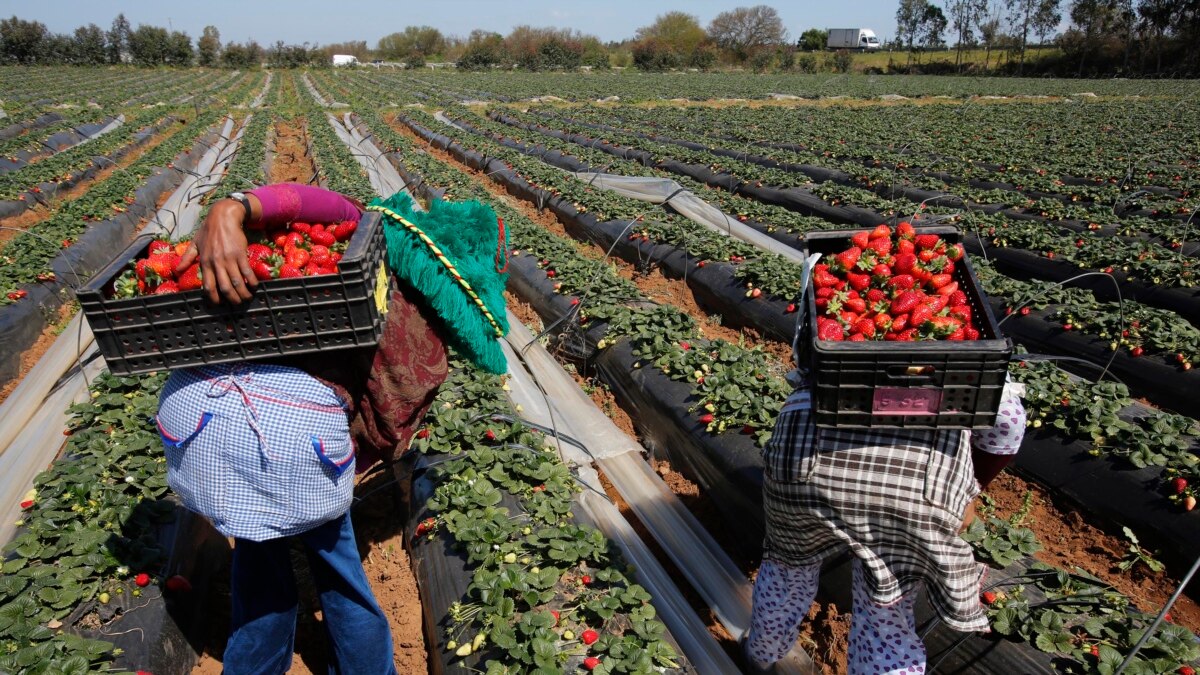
(220, 245)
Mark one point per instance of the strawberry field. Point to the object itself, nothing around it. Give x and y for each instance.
(598, 508)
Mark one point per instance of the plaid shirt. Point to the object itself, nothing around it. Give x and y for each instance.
(895, 497)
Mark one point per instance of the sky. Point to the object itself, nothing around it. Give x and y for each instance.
(311, 21)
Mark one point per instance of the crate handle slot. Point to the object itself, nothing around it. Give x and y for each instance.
(911, 373)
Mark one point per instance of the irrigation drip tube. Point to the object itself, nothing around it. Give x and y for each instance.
(44, 191)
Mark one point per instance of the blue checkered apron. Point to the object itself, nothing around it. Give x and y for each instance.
(262, 451)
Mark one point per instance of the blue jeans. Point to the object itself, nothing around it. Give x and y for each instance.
(265, 603)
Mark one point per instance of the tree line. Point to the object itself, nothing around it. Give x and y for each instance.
(1104, 37)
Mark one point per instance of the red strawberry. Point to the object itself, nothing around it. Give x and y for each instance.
(706, 418)
(179, 584)
(865, 327)
(586, 580)
(289, 271)
(937, 302)
(190, 279)
(962, 311)
(927, 241)
(940, 280)
(905, 302)
(490, 435)
(858, 281)
(902, 282)
(303, 228)
(906, 246)
(881, 232)
(856, 304)
(257, 251)
(881, 246)
(948, 290)
(823, 279)
(971, 333)
(904, 263)
(345, 230)
(883, 323)
(262, 269)
(589, 637)
(860, 240)
(556, 615)
(1179, 484)
(926, 255)
(1186, 670)
(319, 255)
(899, 323)
(160, 246)
(142, 268)
(908, 335)
(591, 662)
(988, 597)
(166, 287)
(881, 271)
(858, 337)
(846, 260)
(958, 335)
(943, 326)
(920, 314)
(423, 433)
(905, 230)
(830, 330)
(874, 295)
(163, 264)
(957, 299)
(318, 235)
(955, 252)
(298, 257)
(142, 580)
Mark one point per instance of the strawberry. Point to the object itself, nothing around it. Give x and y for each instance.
(881, 272)
(318, 235)
(262, 270)
(940, 280)
(937, 302)
(883, 323)
(589, 637)
(899, 323)
(881, 246)
(955, 252)
(160, 246)
(257, 251)
(881, 232)
(905, 302)
(591, 663)
(958, 335)
(163, 264)
(1189, 503)
(874, 295)
(179, 584)
(908, 335)
(865, 327)
(289, 271)
(830, 330)
(823, 279)
(962, 311)
(303, 228)
(927, 241)
(971, 333)
(904, 263)
(856, 304)
(298, 257)
(902, 282)
(1179, 484)
(345, 230)
(858, 337)
(706, 418)
(423, 434)
(490, 435)
(919, 315)
(906, 246)
(948, 290)
(905, 230)
(142, 268)
(319, 254)
(860, 240)
(166, 287)
(925, 255)
(858, 282)
(557, 616)
(988, 597)
(142, 580)
(957, 299)
(846, 260)
(943, 326)
(190, 279)
(586, 580)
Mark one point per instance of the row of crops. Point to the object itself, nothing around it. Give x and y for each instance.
(491, 509)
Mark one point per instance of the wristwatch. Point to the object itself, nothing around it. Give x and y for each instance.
(241, 197)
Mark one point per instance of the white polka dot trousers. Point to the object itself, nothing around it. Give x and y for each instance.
(883, 638)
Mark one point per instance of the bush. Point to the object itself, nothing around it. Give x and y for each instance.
(652, 55)
(843, 61)
(761, 60)
(703, 58)
(415, 60)
(805, 63)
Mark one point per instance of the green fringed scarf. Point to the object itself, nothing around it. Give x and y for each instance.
(468, 237)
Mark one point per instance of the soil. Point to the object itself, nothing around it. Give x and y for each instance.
(41, 212)
(293, 163)
(380, 536)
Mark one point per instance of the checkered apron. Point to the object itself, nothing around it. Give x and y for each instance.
(895, 497)
(263, 451)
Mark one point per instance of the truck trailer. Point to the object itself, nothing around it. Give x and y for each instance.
(852, 38)
(345, 60)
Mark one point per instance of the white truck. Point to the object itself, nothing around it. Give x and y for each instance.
(344, 60)
(852, 38)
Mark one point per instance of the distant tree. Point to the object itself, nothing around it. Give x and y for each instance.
(22, 41)
(356, 48)
(424, 40)
(595, 54)
(149, 45)
(964, 16)
(208, 47)
(908, 22)
(1032, 16)
(933, 25)
(989, 24)
(237, 55)
(88, 45)
(118, 39)
(179, 49)
(1046, 19)
(746, 30)
(813, 40)
(678, 32)
(483, 50)
(282, 55)
(1094, 20)
(652, 54)
(1157, 17)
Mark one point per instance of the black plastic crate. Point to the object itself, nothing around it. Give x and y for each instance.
(931, 384)
(284, 317)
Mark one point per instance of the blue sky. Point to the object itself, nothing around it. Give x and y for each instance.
(337, 21)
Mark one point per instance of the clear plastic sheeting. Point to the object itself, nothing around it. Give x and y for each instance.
(180, 214)
(550, 397)
(262, 95)
(665, 190)
(321, 100)
(384, 178)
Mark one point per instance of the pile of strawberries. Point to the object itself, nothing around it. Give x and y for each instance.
(297, 250)
(896, 288)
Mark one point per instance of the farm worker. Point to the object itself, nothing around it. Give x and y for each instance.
(268, 450)
(895, 498)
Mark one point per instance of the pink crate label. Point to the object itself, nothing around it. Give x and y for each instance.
(906, 401)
